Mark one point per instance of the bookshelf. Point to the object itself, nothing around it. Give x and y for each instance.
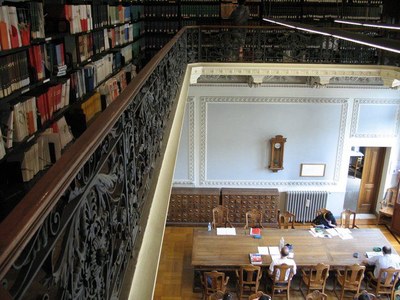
(61, 63)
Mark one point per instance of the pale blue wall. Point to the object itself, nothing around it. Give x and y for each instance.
(225, 139)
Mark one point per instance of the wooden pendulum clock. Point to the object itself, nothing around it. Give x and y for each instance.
(277, 150)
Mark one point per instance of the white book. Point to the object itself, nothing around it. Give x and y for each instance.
(89, 16)
(13, 17)
(263, 250)
(4, 18)
(65, 133)
(2, 146)
(20, 124)
(226, 231)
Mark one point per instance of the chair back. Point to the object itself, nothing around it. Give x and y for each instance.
(353, 276)
(258, 295)
(316, 295)
(221, 217)
(348, 219)
(386, 281)
(249, 279)
(318, 275)
(213, 282)
(390, 197)
(254, 219)
(286, 219)
(280, 273)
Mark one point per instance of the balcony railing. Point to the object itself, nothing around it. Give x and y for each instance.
(72, 235)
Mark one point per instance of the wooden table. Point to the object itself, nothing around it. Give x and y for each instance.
(229, 252)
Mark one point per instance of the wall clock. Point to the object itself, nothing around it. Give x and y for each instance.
(276, 155)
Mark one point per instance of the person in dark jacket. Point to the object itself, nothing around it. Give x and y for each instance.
(326, 219)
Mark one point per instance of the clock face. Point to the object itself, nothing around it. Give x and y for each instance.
(277, 145)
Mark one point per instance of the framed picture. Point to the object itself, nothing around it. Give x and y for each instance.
(312, 170)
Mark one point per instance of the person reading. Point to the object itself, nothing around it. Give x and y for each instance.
(387, 260)
(325, 219)
(284, 259)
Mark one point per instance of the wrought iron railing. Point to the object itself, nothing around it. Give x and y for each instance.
(73, 234)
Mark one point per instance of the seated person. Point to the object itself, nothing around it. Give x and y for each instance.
(284, 259)
(387, 260)
(326, 219)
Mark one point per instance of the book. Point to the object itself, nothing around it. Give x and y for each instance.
(255, 231)
(255, 258)
(373, 253)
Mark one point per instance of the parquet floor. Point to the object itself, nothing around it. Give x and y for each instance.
(175, 274)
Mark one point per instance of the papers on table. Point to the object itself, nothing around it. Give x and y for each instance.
(226, 231)
(373, 253)
(274, 251)
(263, 250)
(343, 233)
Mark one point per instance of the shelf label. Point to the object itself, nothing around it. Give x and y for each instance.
(30, 139)
(25, 90)
(47, 39)
(46, 80)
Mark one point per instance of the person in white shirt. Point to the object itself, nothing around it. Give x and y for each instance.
(284, 259)
(387, 260)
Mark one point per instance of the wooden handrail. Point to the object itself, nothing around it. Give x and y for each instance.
(24, 220)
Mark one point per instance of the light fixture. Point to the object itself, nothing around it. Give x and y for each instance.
(384, 44)
(375, 25)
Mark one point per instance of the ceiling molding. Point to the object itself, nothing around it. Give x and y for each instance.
(388, 74)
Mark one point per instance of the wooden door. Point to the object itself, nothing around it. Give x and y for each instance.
(371, 177)
(395, 226)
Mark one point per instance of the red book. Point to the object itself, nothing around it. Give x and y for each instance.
(255, 231)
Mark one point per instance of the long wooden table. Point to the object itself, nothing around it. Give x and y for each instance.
(229, 252)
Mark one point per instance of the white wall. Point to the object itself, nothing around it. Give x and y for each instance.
(226, 133)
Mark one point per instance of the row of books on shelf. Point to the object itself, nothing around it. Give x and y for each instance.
(170, 11)
(14, 27)
(85, 17)
(156, 42)
(13, 73)
(46, 149)
(21, 121)
(162, 27)
(200, 11)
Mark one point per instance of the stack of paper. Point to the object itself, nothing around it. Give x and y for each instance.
(226, 231)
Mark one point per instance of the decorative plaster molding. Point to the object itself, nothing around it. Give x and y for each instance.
(255, 183)
(189, 181)
(387, 73)
(356, 116)
(203, 137)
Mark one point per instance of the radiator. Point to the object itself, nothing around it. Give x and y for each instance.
(304, 204)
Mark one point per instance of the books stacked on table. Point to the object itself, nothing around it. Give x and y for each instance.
(255, 258)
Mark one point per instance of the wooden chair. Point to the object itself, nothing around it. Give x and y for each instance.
(387, 204)
(349, 280)
(279, 283)
(258, 295)
(369, 295)
(249, 279)
(385, 283)
(348, 219)
(317, 295)
(213, 282)
(221, 217)
(216, 296)
(286, 219)
(254, 219)
(314, 278)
